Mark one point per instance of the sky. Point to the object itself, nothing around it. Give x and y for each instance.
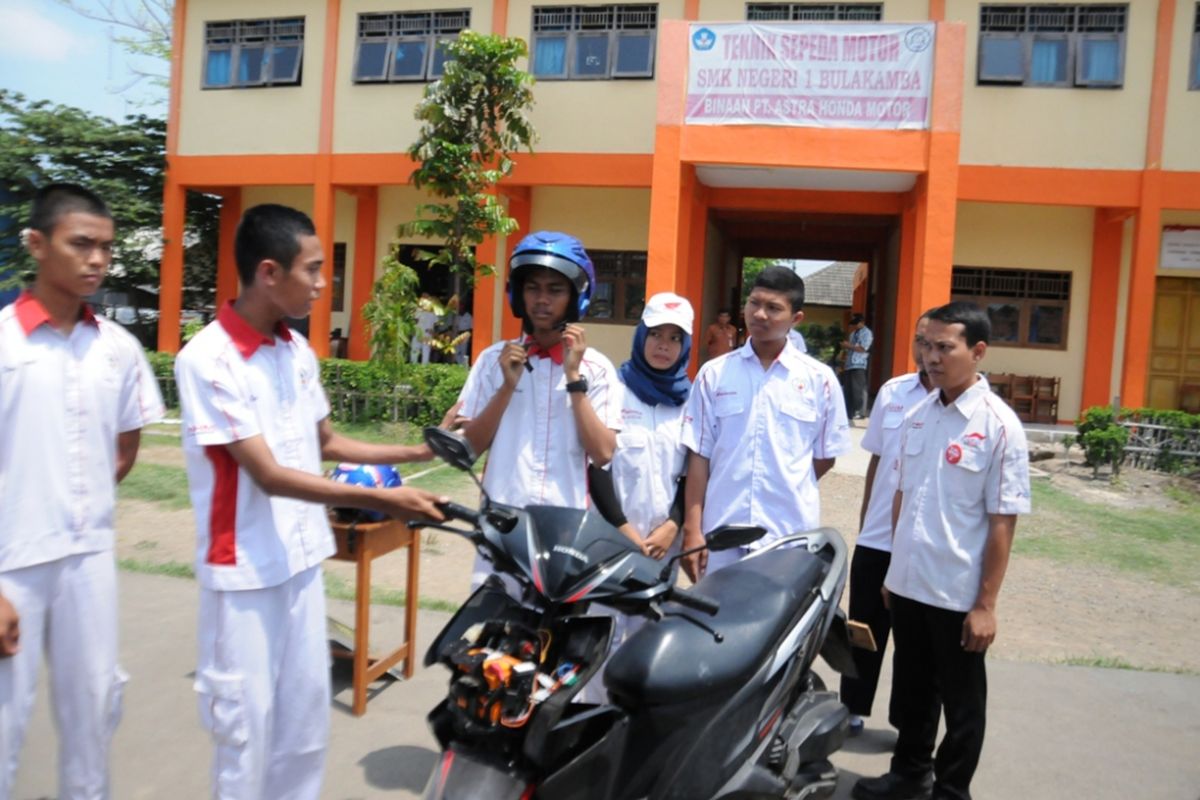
(48, 52)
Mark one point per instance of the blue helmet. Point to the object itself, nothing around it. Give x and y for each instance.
(373, 476)
(560, 252)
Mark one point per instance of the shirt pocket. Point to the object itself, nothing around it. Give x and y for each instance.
(728, 405)
(799, 410)
(910, 460)
(965, 477)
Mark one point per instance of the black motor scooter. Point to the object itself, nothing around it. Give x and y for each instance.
(725, 706)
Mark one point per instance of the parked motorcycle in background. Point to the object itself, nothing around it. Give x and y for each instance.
(714, 697)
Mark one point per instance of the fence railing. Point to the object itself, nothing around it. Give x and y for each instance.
(1161, 447)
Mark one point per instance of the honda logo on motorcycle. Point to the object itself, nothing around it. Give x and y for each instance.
(571, 551)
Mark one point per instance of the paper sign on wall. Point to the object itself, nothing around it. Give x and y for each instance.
(1180, 247)
(847, 75)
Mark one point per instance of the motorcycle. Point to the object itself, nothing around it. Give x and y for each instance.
(725, 707)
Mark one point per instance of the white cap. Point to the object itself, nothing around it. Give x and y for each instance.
(668, 308)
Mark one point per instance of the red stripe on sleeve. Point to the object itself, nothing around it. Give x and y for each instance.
(222, 514)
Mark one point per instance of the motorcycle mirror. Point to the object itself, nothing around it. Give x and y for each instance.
(454, 449)
(728, 537)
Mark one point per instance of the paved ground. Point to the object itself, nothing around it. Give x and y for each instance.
(1054, 731)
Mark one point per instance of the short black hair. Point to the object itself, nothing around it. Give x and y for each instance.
(724, 310)
(54, 201)
(857, 318)
(269, 231)
(782, 279)
(976, 325)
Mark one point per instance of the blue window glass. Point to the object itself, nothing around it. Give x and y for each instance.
(591, 55)
(409, 61)
(285, 61)
(372, 60)
(1049, 61)
(1101, 60)
(550, 56)
(250, 65)
(217, 68)
(633, 53)
(1001, 58)
(440, 55)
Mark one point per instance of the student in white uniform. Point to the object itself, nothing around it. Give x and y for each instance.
(873, 549)
(545, 404)
(763, 424)
(964, 478)
(75, 391)
(255, 430)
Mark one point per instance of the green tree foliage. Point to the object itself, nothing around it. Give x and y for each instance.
(473, 119)
(123, 162)
(1102, 438)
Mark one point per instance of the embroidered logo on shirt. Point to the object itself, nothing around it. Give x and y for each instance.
(974, 439)
(953, 453)
(895, 407)
(799, 386)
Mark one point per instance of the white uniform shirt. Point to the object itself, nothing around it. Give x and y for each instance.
(235, 383)
(895, 399)
(960, 463)
(760, 430)
(648, 461)
(536, 456)
(64, 398)
(797, 338)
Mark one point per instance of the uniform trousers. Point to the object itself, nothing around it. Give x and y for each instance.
(263, 688)
(68, 612)
(856, 392)
(929, 665)
(868, 568)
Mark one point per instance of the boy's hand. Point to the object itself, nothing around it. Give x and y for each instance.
(405, 503)
(660, 540)
(512, 363)
(10, 629)
(697, 563)
(574, 343)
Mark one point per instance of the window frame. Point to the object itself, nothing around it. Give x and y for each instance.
(581, 24)
(244, 35)
(1025, 302)
(838, 12)
(1024, 24)
(622, 268)
(1194, 63)
(440, 27)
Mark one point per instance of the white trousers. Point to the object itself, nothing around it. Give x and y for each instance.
(263, 688)
(68, 611)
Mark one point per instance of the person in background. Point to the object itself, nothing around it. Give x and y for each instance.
(857, 348)
(721, 337)
(873, 549)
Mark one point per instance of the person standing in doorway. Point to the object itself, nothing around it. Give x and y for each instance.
(858, 348)
(721, 336)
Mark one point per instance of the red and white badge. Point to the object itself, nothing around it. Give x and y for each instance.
(953, 453)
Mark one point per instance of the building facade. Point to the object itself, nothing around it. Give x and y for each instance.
(1052, 174)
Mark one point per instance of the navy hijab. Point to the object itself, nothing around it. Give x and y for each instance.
(656, 386)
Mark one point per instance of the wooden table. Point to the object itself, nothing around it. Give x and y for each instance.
(362, 543)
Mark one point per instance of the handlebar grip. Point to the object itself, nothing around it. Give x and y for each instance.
(455, 511)
(693, 599)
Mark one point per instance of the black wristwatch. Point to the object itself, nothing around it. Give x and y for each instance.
(580, 385)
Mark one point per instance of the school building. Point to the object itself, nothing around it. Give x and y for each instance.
(1038, 158)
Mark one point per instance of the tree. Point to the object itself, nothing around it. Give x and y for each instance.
(142, 29)
(473, 118)
(122, 162)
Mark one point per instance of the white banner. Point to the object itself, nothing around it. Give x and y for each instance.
(838, 75)
(1180, 247)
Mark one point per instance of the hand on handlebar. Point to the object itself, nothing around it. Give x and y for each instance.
(405, 503)
(695, 564)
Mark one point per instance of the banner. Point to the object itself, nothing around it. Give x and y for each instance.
(847, 75)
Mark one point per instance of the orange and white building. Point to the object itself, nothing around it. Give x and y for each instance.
(1043, 160)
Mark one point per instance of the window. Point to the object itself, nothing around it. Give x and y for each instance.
(1028, 308)
(253, 52)
(620, 292)
(405, 46)
(1052, 45)
(814, 12)
(594, 42)
(1194, 73)
(339, 276)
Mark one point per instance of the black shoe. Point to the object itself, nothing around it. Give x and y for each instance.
(892, 787)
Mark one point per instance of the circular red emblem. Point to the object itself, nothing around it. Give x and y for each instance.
(954, 454)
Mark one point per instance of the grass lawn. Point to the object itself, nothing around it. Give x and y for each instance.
(1161, 543)
(157, 483)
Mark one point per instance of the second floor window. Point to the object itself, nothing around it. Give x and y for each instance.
(814, 12)
(594, 42)
(253, 52)
(405, 45)
(1052, 45)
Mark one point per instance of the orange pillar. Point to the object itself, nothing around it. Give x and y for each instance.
(906, 316)
(227, 273)
(520, 208)
(366, 218)
(170, 292)
(670, 213)
(323, 216)
(693, 288)
(1107, 235)
(1139, 312)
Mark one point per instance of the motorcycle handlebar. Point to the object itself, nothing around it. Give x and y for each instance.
(693, 599)
(455, 511)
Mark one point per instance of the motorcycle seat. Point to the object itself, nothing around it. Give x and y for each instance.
(674, 660)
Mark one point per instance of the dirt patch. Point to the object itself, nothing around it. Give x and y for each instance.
(1049, 610)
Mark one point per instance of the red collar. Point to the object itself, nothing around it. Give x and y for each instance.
(554, 353)
(31, 313)
(245, 337)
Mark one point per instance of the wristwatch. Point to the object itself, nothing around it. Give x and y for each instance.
(580, 385)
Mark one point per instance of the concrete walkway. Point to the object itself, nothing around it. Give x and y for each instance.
(1054, 732)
